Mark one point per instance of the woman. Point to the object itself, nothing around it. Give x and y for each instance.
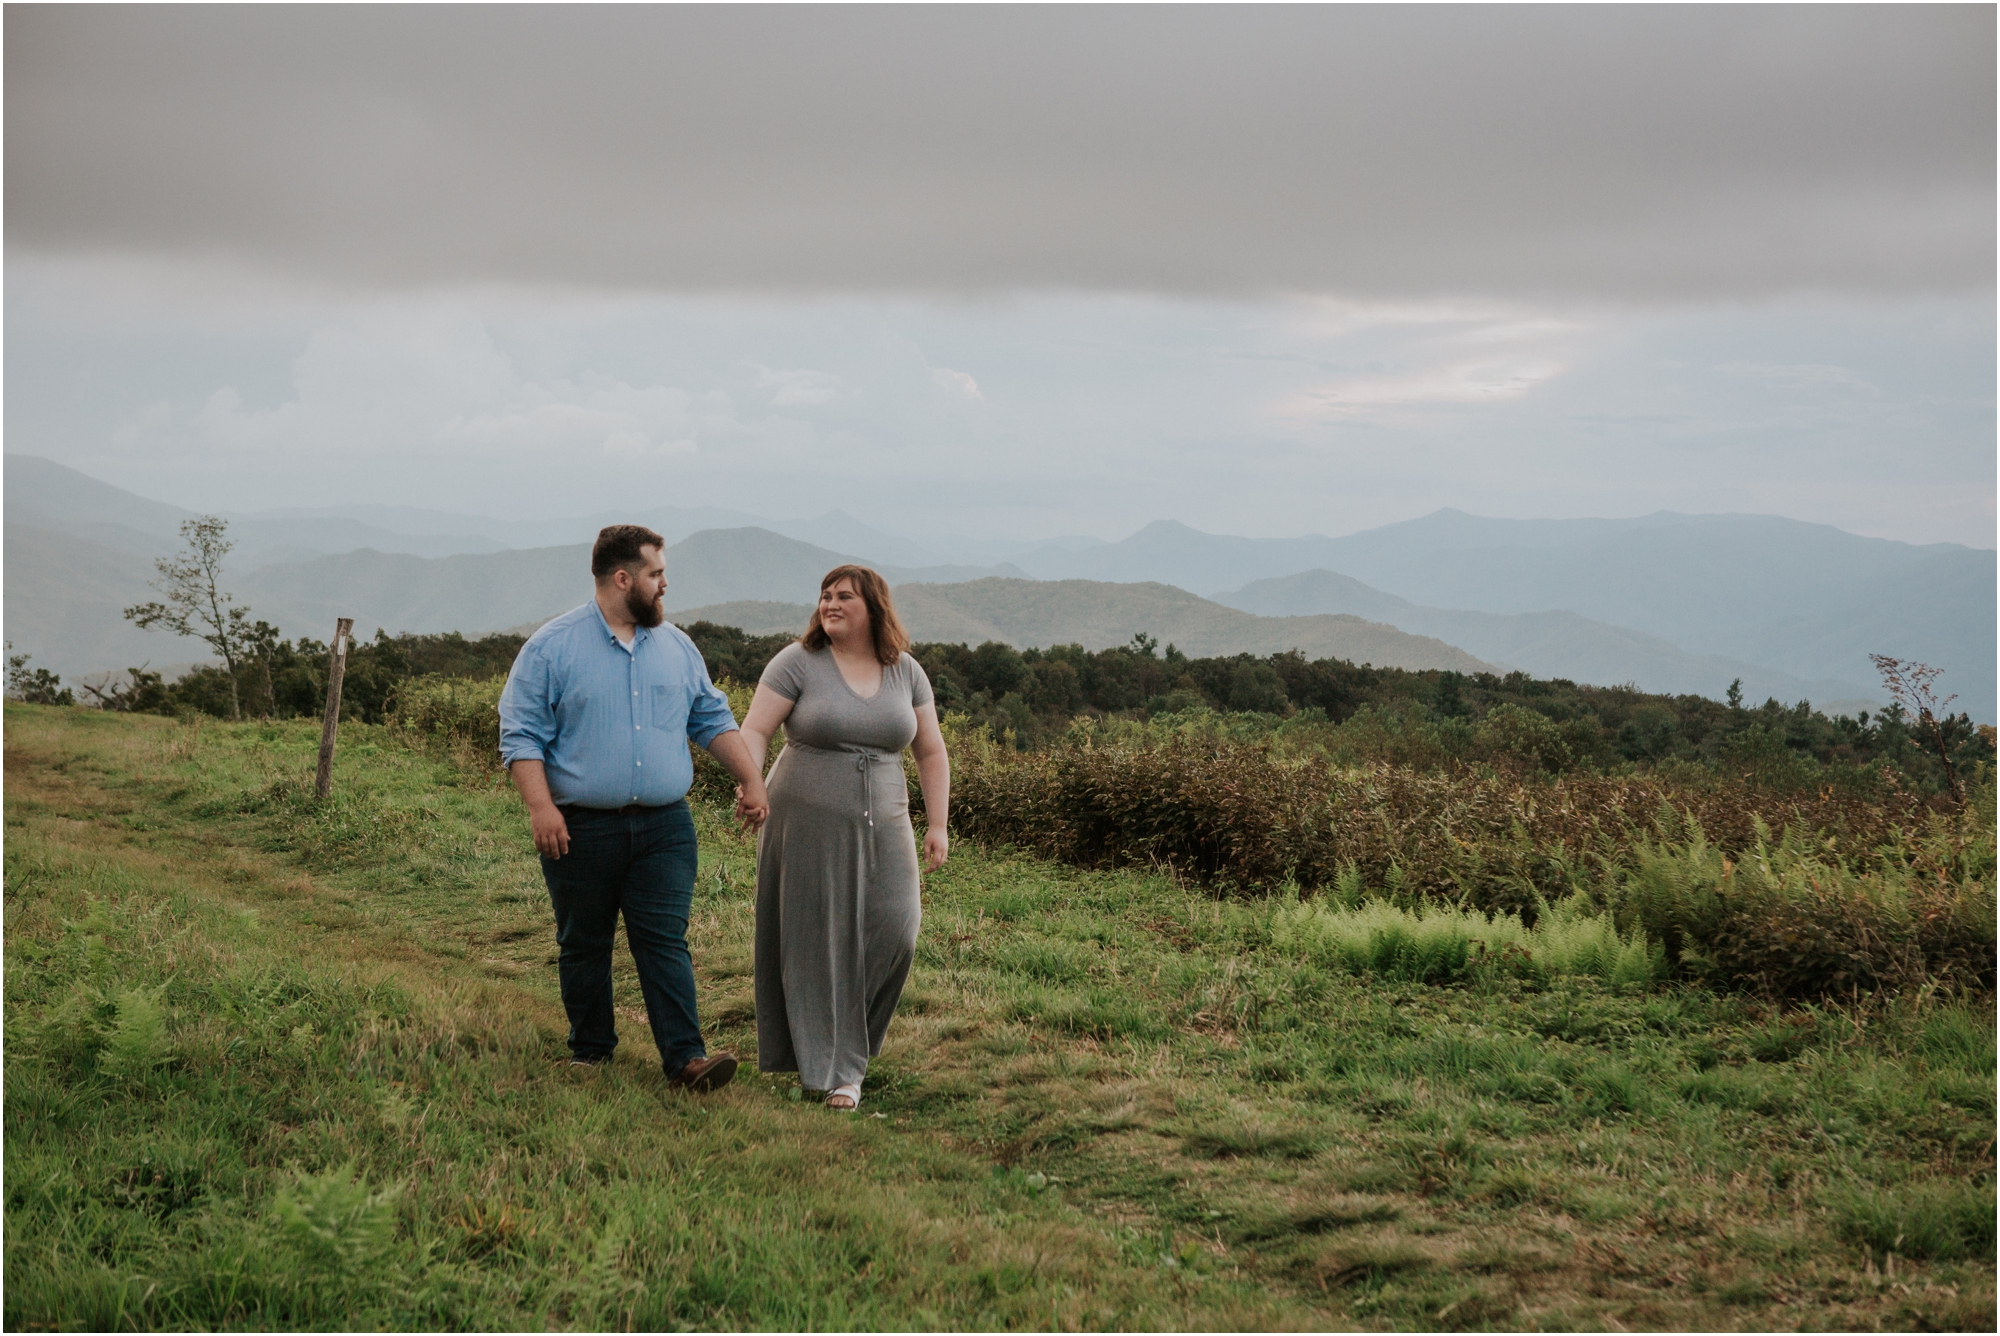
(837, 902)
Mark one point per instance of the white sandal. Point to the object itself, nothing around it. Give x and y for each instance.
(852, 1093)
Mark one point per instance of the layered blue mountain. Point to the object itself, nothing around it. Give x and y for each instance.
(1667, 602)
(1807, 600)
(1547, 644)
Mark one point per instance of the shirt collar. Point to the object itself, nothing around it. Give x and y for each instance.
(638, 632)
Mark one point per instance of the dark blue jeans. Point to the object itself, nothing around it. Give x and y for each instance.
(642, 864)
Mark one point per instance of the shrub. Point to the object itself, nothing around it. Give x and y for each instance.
(712, 783)
(452, 711)
(1527, 738)
(1855, 894)
(1793, 918)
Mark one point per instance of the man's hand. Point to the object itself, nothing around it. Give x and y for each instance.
(752, 811)
(550, 830)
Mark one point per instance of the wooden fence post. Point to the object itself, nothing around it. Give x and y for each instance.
(336, 669)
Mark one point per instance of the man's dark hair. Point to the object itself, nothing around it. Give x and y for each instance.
(618, 546)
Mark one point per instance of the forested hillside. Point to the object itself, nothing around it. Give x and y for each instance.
(1356, 714)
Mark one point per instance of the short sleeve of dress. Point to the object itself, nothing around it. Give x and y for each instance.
(786, 672)
(920, 683)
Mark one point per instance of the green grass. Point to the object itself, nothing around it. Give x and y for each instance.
(1441, 943)
(272, 1065)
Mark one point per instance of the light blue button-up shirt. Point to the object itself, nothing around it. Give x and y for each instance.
(609, 724)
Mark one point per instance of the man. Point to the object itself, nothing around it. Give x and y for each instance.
(594, 726)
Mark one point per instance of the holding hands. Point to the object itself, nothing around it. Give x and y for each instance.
(751, 811)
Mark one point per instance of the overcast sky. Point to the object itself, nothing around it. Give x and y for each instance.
(1015, 271)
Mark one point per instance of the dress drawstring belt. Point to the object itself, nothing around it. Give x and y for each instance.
(863, 758)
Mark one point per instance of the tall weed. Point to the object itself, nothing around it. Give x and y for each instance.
(1438, 943)
(1939, 1220)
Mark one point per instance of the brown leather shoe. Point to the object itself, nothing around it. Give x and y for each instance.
(705, 1074)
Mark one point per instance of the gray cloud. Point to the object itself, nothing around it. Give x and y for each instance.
(1622, 152)
(1026, 417)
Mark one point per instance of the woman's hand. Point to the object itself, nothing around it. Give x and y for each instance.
(934, 777)
(751, 814)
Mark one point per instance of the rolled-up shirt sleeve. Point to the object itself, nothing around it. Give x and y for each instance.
(708, 713)
(527, 715)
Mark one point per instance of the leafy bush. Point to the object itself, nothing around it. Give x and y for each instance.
(1525, 737)
(37, 686)
(451, 710)
(1794, 918)
(1854, 895)
(712, 783)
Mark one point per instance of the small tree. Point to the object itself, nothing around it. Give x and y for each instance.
(36, 686)
(1910, 685)
(260, 643)
(195, 603)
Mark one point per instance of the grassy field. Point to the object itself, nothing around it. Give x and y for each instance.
(276, 1065)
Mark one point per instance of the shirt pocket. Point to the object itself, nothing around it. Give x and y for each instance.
(663, 709)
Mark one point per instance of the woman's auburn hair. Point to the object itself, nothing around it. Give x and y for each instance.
(891, 640)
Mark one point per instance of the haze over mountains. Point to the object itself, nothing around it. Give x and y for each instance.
(1544, 644)
(1097, 615)
(1669, 602)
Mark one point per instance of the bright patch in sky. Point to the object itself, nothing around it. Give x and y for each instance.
(1014, 417)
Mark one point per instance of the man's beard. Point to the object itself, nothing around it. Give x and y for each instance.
(645, 611)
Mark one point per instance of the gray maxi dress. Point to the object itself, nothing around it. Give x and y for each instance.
(837, 899)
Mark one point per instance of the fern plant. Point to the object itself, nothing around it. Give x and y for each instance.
(135, 1040)
(335, 1221)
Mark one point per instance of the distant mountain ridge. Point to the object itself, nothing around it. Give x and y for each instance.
(494, 591)
(1807, 600)
(1668, 601)
(1543, 644)
(50, 495)
(1098, 615)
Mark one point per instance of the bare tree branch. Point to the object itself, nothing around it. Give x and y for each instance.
(1910, 684)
